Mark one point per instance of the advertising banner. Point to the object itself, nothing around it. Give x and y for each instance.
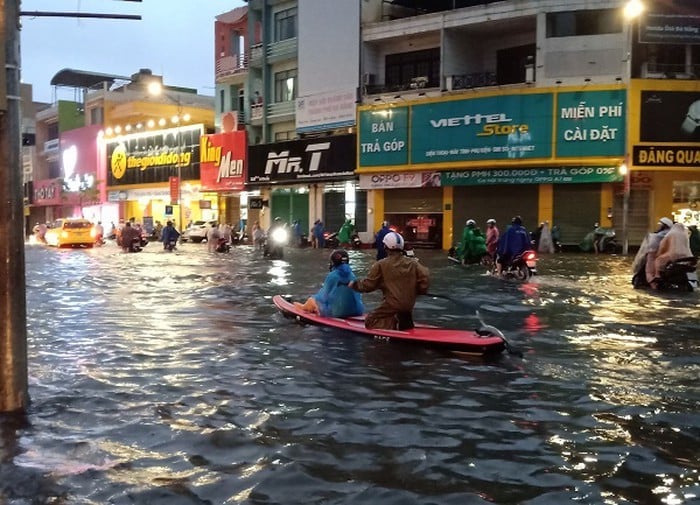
(153, 157)
(302, 161)
(400, 180)
(492, 128)
(670, 116)
(667, 29)
(384, 137)
(590, 123)
(47, 192)
(562, 175)
(322, 111)
(222, 159)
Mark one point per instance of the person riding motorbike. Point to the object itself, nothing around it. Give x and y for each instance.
(129, 236)
(492, 235)
(655, 239)
(169, 236)
(514, 242)
(674, 246)
(401, 279)
(472, 247)
(379, 240)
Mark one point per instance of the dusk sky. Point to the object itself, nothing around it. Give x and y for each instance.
(174, 38)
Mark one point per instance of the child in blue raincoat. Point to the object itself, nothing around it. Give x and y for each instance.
(335, 298)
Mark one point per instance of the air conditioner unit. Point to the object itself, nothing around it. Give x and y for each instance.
(368, 79)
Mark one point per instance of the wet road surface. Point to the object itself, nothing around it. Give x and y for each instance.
(169, 378)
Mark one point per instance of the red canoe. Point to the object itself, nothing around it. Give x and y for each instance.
(480, 342)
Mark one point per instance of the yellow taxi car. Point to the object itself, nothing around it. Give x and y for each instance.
(71, 232)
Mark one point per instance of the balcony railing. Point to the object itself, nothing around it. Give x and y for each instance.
(256, 112)
(472, 80)
(284, 49)
(231, 65)
(280, 109)
(256, 54)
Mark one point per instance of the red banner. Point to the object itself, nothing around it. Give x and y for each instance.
(222, 159)
(174, 190)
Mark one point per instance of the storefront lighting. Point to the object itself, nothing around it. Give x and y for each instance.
(186, 117)
(175, 119)
(109, 131)
(139, 126)
(117, 129)
(127, 128)
(150, 123)
(161, 122)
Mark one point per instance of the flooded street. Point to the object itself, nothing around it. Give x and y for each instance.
(170, 378)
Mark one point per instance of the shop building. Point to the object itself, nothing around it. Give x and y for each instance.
(531, 111)
(301, 93)
(123, 151)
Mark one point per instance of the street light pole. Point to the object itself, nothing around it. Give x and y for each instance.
(632, 10)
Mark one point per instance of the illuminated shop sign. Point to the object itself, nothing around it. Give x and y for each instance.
(591, 123)
(153, 157)
(666, 156)
(559, 175)
(494, 128)
(384, 137)
(302, 161)
(222, 161)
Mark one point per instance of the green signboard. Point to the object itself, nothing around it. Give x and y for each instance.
(560, 175)
(591, 123)
(384, 137)
(494, 128)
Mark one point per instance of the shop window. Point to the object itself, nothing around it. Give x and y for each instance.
(580, 23)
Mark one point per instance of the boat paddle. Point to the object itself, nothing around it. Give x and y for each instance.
(511, 350)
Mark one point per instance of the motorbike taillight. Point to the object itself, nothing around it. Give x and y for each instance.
(529, 256)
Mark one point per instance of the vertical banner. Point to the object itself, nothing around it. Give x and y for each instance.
(174, 190)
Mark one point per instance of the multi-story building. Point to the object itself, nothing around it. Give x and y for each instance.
(129, 148)
(481, 109)
(302, 88)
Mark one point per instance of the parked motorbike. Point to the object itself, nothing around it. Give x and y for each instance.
(521, 268)
(678, 275)
(273, 245)
(602, 240)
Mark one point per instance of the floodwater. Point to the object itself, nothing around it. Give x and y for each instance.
(169, 378)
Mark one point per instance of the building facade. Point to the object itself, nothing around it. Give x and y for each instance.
(491, 109)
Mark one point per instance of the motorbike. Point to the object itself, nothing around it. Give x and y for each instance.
(136, 245)
(678, 275)
(521, 268)
(604, 240)
(484, 260)
(239, 237)
(332, 242)
(222, 245)
(171, 245)
(274, 242)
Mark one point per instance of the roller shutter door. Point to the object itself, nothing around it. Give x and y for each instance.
(576, 210)
(498, 202)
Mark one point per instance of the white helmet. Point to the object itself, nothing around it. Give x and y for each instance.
(666, 222)
(491, 221)
(471, 222)
(393, 241)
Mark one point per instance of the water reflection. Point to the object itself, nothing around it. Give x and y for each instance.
(170, 378)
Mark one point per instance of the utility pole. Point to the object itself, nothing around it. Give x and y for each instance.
(14, 395)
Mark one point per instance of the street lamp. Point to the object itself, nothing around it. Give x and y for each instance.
(632, 10)
(155, 88)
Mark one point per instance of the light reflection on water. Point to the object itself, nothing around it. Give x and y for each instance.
(169, 378)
